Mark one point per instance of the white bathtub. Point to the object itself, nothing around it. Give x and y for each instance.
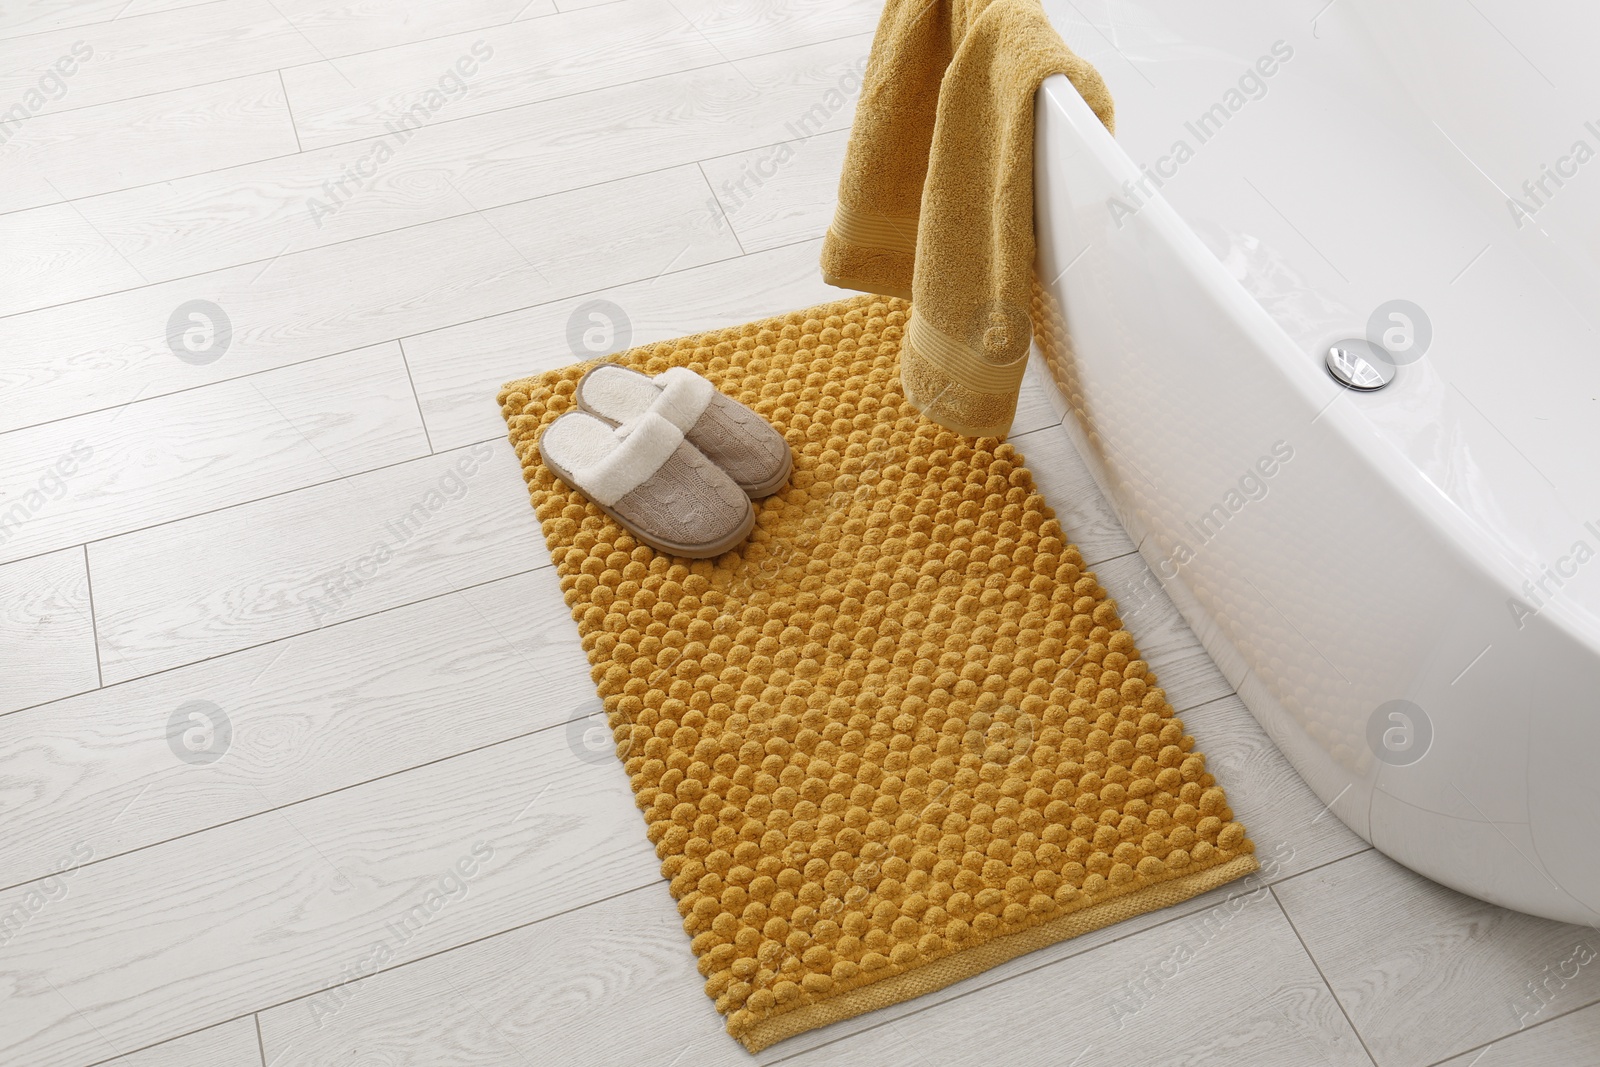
(1338, 551)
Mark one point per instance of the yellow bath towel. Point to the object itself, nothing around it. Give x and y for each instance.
(936, 196)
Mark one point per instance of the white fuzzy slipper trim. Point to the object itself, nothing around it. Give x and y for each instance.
(609, 465)
(650, 442)
(684, 397)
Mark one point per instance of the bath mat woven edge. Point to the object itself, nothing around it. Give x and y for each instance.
(951, 969)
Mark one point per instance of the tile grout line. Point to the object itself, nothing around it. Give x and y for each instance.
(417, 398)
(774, 144)
(619, 285)
(94, 630)
(261, 1044)
(288, 110)
(1318, 967)
(699, 165)
(159, 181)
(269, 260)
(1485, 1046)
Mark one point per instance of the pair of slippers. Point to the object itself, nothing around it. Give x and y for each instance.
(672, 460)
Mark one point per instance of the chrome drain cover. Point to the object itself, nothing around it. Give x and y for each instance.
(1359, 364)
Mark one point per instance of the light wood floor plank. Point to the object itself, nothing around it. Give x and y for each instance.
(158, 460)
(1033, 409)
(38, 16)
(93, 150)
(459, 370)
(295, 901)
(53, 255)
(113, 349)
(1571, 1039)
(778, 194)
(154, 53)
(739, 30)
(233, 1044)
(305, 716)
(68, 256)
(216, 220)
(299, 561)
(1425, 972)
(516, 63)
(47, 646)
(348, 27)
(153, 46)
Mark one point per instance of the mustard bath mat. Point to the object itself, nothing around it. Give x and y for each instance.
(900, 735)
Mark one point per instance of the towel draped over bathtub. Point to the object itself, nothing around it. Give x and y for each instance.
(936, 195)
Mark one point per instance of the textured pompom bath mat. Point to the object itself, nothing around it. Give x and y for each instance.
(900, 735)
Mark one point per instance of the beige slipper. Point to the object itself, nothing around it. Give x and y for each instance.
(729, 434)
(647, 477)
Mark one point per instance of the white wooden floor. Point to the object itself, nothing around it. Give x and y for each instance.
(253, 483)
